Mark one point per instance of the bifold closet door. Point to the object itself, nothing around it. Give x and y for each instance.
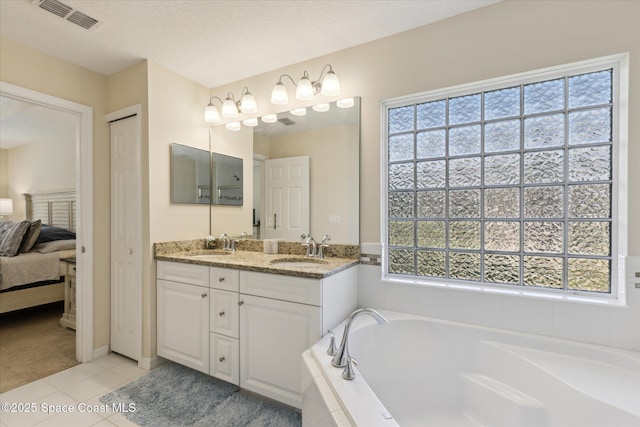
(126, 239)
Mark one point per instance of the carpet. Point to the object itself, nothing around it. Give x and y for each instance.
(173, 395)
(33, 345)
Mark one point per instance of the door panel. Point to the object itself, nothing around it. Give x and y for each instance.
(126, 241)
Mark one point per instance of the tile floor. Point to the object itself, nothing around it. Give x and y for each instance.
(79, 388)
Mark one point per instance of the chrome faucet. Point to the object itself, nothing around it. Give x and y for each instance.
(323, 245)
(226, 242)
(310, 243)
(342, 359)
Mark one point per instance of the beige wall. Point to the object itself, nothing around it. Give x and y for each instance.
(40, 167)
(502, 39)
(35, 70)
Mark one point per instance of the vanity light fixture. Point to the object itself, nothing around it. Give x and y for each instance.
(234, 126)
(345, 103)
(321, 108)
(270, 118)
(299, 112)
(230, 107)
(327, 85)
(253, 121)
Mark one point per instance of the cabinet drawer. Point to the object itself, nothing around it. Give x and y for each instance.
(225, 358)
(286, 288)
(224, 278)
(183, 273)
(224, 317)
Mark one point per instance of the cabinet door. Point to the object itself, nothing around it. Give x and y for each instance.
(224, 316)
(225, 358)
(273, 336)
(183, 324)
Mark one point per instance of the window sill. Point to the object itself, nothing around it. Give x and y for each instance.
(506, 290)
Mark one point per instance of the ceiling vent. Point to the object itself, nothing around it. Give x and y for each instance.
(68, 13)
(286, 121)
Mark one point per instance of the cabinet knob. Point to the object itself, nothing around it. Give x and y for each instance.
(204, 295)
(222, 313)
(222, 359)
(221, 279)
(240, 302)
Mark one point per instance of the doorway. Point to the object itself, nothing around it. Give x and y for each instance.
(84, 207)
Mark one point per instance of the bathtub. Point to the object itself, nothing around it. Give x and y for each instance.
(418, 371)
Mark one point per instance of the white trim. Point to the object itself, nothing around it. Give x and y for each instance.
(152, 363)
(136, 111)
(84, 189)
(619, 215)
(100, 351)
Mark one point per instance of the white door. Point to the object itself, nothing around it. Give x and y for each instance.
(286, 197)
(126, 239)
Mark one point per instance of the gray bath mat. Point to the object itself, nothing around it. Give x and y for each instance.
(173, 395)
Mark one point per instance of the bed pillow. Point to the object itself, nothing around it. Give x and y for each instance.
(54, 245)
(50, 233)
(30, 236)
(11, 235)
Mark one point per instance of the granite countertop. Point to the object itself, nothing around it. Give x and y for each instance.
(286, 264)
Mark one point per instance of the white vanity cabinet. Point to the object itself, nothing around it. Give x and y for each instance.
(245, 327)
(281, 317)
(183, 314)
(224, 325)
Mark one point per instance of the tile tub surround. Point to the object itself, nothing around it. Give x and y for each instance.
(249, 257)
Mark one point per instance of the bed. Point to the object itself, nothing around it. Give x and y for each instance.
(35, 275)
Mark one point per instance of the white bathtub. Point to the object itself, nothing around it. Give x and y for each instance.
(417, 371)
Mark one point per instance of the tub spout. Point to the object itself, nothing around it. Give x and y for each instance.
(340, 358)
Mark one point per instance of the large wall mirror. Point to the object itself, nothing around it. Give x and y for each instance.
(307, 174)
(200, 177)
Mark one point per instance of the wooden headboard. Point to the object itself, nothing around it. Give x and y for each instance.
(56, 209)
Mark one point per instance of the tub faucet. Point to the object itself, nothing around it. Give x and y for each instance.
(342, 354)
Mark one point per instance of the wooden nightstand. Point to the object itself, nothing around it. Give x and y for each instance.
(68, 318)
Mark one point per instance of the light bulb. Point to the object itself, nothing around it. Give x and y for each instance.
(248, 104)
(253, 121)
(304, 91)
(211, 114)
(330, 84)
(321, 108)
(299, 111)
(234, 126)
(270, 118)
(345, 103)
(229, 108)
(279, 94)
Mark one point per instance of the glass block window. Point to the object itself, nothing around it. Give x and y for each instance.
(504, 185)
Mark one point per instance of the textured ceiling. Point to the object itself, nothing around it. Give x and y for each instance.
(216, 42)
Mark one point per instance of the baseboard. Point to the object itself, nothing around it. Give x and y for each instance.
(150, 363)
(100, 351)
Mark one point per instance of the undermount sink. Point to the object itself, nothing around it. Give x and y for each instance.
(207, 254)
(297, 262)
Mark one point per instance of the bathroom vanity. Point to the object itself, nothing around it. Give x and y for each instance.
(246, 317)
